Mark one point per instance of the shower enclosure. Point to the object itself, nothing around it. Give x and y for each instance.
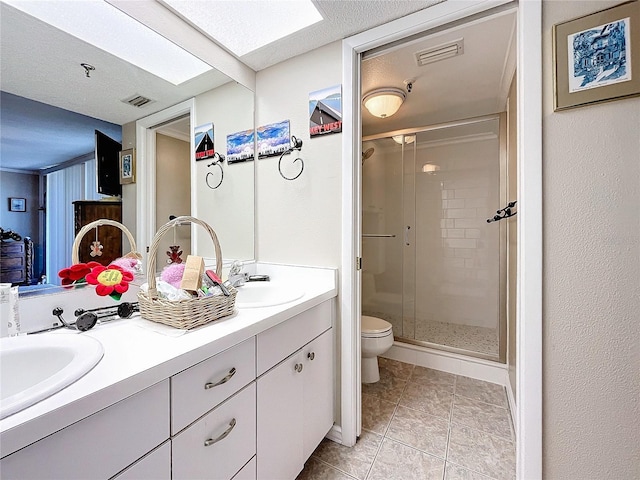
(431, 263)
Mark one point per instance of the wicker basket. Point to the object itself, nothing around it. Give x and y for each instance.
(75, 249)
(183, 314)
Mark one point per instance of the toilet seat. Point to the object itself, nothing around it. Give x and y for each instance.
(374, 327)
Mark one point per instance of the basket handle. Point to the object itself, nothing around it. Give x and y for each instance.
(75, 256)
(153, 249)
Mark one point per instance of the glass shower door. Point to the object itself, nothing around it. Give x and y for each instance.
(457, 253)
(382, 231)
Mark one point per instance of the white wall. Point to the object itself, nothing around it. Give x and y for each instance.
(591, 285)
(299, 220)
(229, 209)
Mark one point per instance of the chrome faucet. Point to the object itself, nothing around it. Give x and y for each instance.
(236, 277)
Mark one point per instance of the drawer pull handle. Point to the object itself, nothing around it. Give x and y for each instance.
(231, 373)
(311, 355)
(225, 434)
(298, 367)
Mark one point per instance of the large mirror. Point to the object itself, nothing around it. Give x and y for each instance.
(52, 105)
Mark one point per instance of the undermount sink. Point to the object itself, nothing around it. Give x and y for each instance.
(34, 367)
(266, 294)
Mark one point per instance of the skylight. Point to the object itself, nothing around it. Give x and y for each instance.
(243, 26)
(104, 26)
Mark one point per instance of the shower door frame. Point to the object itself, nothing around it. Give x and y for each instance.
(528, 421)
(502, 268)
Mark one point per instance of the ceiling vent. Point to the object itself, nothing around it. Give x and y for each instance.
(138, 101)
(435, 54)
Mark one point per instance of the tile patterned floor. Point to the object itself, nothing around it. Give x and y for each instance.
(420, 423)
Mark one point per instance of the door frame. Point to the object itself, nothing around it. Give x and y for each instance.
(146, 167)
(529, 300)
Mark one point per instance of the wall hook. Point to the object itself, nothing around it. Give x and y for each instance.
(294, 144)
(218, 160)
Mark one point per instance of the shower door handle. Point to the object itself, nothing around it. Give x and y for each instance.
(378, 235)
(406, 235)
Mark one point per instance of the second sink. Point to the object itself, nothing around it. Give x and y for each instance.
(266, 294)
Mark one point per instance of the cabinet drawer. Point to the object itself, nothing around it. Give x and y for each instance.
(200, 388)
(11, 248)
(279, 342)
(248, 472)
(154, 466)
(100, 445)
(203, 451)
(10, 263)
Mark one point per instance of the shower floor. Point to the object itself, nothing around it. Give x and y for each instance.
(481, 340)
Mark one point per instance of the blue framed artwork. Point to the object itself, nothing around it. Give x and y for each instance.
(203, 141)
(240, 146)
(325, 111)
(595, 57)
(273, 139)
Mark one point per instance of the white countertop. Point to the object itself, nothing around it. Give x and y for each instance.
(137, 354)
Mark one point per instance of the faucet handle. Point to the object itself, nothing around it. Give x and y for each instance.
(236, 267)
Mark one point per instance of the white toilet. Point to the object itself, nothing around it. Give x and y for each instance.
(377, 338)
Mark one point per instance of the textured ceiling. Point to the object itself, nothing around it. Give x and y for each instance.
(469, 85)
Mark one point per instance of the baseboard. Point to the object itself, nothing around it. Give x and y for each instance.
(335, 434)
(450, 362)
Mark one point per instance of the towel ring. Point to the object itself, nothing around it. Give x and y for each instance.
(217, 160)
(295, 144)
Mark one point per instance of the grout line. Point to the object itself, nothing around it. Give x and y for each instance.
(334, 467)
(485, 433)
(472, 470)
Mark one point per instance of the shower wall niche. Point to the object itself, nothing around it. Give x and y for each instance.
(432, 265)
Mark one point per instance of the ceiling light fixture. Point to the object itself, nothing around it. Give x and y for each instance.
(384, 102)
(407, 139)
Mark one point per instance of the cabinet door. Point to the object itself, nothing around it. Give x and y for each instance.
(318, 388)
(155, 466)
(280, 420)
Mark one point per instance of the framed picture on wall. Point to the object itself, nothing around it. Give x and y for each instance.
(597, 57)
(17, 204)
(127, 166)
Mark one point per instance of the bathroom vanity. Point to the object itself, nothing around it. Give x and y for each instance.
(248, 396)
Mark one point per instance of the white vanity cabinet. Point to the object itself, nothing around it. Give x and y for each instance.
(295, 397)
(101, 445)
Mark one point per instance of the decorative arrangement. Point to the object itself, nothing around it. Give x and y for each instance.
(273, 139)
(112, 279)
(127, 166)
(240, 146)
(325, 111)
(209, 179)
(594, 56)
(294, 144)
(203, 141)
(183, 310)
(17, 204)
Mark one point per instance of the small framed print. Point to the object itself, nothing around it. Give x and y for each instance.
(17, 204)
(127, 166)
(597, 57)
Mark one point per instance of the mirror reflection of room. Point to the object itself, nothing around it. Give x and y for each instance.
(68, 111)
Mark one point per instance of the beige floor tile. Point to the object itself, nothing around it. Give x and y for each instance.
(356, 460)
(483, 453)
(483, 391)
(315, 469)
(395, 368)
(388, 388)
(428, 399)
(420, 430)
(400, 462)
(456, 472)
(481, 416)
(428, 376)
(376, 413)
